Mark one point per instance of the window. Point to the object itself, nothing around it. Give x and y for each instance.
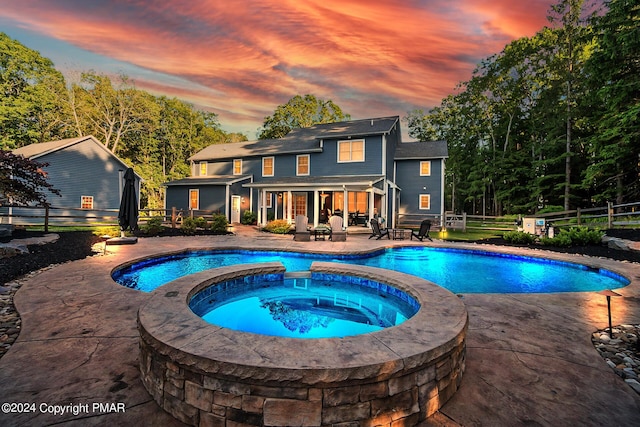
(267, 202)
(86, 202)
(351, 151)
(425, 168)
(267, 166)
(203, 168)
(302, 166)
(194, 199)
(425, 201)
(237, 167)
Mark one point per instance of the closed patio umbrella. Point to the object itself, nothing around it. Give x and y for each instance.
(128, 213)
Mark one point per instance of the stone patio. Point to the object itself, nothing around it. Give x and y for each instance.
(529, 360)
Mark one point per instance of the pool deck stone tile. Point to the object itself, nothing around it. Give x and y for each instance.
(529, 361)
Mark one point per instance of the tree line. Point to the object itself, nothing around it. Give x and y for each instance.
(154, 134)
(551, 122)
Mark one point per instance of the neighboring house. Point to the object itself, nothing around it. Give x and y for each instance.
(88, 175)
(358, 167)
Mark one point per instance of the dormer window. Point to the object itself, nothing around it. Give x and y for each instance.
(203, 168)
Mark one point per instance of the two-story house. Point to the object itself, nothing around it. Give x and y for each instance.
(358, 169)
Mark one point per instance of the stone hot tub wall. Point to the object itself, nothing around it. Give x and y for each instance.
(210, 376)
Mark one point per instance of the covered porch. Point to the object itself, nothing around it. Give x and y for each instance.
(356, 199)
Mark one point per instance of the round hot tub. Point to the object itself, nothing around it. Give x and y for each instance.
(303, 305)
(204, 373)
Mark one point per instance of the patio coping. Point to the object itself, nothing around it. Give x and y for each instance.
(529, 356)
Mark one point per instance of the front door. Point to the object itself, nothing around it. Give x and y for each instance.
(235, 209)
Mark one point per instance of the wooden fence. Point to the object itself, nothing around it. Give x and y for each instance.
(605, 217)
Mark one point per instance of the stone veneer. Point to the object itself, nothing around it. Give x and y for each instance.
(205, 375)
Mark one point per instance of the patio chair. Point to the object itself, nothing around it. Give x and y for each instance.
(377, 232)
(302, 229)
(423, 233)
(338, 233)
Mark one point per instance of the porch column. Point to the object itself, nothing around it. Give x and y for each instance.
(263, 208)
(289, 206)
(371, 203)
(316, 211)
(345, 207)
(227, 195)
(393, 207)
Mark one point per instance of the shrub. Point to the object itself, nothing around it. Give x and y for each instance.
(219, 223)
(278, 226)
(188, 225)
(519, 237)
(201, 222)
(562, 240)
(575, 236)
(249, 218)
(583, 236)
(153, 226)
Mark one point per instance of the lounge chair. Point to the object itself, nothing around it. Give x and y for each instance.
(302, 229)
(376, 231)
(423, 233)
(338, 233)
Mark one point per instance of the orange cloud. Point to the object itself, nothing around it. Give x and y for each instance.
(242, 59)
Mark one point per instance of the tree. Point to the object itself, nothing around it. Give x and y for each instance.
(613, 71)
(31, 90)
(300, 112)
(108, 112)
(22, 181)
(569, 14)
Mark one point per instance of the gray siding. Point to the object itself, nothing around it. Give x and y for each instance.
(412, 184)
(84, 169)
(326, 163)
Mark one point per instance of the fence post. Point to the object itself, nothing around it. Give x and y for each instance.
(578, 216)
(173, 217)
(610, 215)
(464, 222)
(46, 218)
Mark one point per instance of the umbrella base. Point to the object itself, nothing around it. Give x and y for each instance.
(122, 241)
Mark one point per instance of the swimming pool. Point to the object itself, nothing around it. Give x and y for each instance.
(458, 270)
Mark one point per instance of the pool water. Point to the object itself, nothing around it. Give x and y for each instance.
(324, 306)
(460, 271)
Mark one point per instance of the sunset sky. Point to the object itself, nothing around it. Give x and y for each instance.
(241, 59)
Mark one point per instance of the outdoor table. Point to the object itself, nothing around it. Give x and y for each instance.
(399, 233)
(320, 233)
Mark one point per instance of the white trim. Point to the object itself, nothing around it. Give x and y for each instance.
(233, 167)
(350, 141)
(197, 190)
(420, 202)
(89, 198)
(298, 165)
(273, 165)
(425, 174)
